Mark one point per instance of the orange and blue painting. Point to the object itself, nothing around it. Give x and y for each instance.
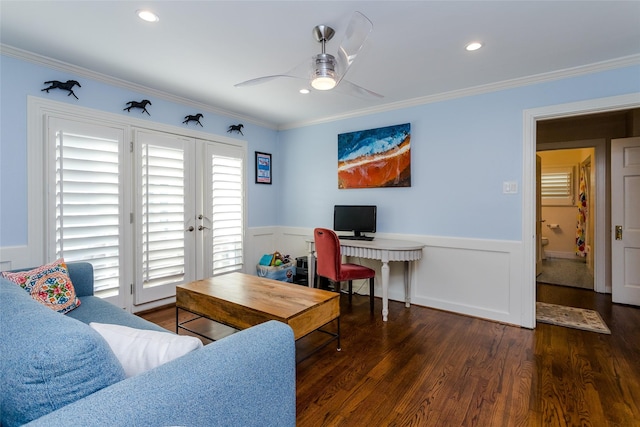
(375, 158)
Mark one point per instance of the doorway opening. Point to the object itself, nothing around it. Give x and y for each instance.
(567, 215)
(552, 124)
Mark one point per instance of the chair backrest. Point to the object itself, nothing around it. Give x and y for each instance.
(327, 253)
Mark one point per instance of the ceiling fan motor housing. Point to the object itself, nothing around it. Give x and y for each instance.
(324, 75)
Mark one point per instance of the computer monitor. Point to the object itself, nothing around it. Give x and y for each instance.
(356, 218)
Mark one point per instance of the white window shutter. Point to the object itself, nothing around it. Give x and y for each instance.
(164, 206)
(227, 219)
(88, 199)
(556, 185)
(163, 210)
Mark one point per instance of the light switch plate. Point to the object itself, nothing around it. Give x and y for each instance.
(510, 187)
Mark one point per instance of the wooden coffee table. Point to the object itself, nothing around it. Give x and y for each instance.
(242, 300)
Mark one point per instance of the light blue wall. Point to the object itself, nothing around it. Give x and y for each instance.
(19, 79)
(461, 152)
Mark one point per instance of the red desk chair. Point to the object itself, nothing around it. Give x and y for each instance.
(330, 266)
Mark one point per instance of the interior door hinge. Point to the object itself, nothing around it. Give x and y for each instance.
(131, 218)
(131, 289)
(131, 147)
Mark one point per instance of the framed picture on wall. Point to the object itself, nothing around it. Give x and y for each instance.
(375, 158)
(263, 168)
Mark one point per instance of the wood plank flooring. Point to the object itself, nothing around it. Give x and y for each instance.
(431, 368)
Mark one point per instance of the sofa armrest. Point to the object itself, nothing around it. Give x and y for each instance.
(81, 275)
(246, 379)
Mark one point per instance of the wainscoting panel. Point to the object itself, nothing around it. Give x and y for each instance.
(476, 277)
(259, 241)
(469, 276)
(12, 257)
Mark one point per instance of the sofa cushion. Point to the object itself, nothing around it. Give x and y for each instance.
(95, 309)
(48, 360)
(48, 284)
(139, 350)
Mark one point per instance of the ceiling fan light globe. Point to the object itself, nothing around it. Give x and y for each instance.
(323, 83)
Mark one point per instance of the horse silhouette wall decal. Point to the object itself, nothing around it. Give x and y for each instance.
(236, 128)
(196, 118)
(141, 104)
(68, 86)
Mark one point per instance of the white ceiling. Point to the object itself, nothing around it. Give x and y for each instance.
(200, 49)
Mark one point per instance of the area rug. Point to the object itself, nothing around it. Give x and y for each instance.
(571, 317)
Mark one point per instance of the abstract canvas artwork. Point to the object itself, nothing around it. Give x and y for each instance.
(375, 158)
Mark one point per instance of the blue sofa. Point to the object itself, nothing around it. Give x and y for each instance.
(59, 371)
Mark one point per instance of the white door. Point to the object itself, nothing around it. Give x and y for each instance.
(165, 217)
(221, 217)
(625, 220)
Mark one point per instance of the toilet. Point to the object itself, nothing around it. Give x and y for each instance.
(545, 242)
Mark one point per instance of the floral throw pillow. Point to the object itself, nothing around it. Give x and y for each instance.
(48, 284)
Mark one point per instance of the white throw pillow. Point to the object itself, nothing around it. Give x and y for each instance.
(139, 350)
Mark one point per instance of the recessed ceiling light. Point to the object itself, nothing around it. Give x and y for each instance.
(473, 46)
(304, 91)
(147, 15)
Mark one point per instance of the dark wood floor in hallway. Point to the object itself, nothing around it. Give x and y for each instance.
(431, 368)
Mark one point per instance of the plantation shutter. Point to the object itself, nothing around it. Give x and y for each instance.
(87, 198)
(165, 247)
(226, 208)
(556, 186)
(162, 215)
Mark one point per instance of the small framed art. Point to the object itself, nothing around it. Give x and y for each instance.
(263, 168)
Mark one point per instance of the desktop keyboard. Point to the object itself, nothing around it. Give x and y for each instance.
(367, 238)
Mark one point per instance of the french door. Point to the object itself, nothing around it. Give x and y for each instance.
(165, 214)
(190, 212)
(149, 211)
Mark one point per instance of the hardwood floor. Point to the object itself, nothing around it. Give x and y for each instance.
(431, 368)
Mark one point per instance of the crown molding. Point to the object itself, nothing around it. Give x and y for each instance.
(103, 78)
(623, 62)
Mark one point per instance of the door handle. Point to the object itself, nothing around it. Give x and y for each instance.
(190, 228)
(618, 232)
(202, 227)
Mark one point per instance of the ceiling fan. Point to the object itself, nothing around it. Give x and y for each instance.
(327, 71)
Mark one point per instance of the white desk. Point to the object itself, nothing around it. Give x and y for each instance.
(384, 250)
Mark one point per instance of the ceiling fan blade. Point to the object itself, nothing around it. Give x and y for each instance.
(300, 71)
(260, 80)
(357, 33)
(353, 89)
